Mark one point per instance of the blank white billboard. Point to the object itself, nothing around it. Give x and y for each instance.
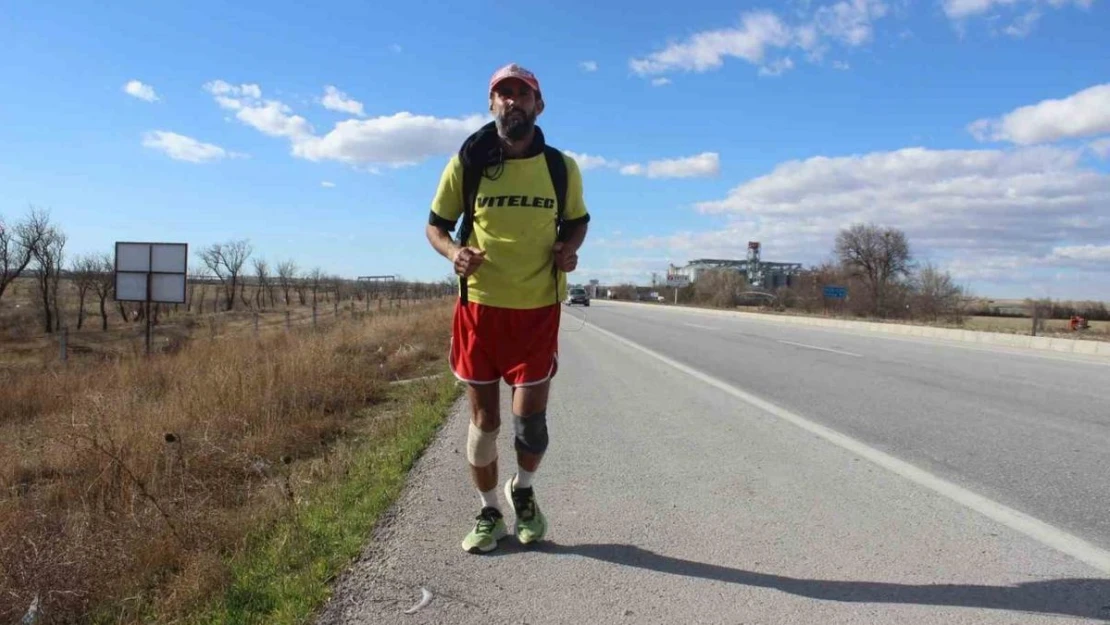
(163, 266)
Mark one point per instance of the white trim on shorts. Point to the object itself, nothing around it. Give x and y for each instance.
(550, 374)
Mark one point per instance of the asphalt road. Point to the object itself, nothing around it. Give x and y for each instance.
(715, 470)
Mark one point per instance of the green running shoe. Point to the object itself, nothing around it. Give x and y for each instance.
(489, 529)
(531, 524)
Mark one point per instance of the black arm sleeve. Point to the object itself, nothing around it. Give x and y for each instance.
(441, 223)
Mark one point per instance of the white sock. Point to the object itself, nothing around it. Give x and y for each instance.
(489, 498)
(524, 478)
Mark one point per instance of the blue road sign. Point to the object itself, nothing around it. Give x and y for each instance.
(836, 292)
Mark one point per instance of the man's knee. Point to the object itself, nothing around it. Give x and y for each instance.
(531, 432)
(481, 446)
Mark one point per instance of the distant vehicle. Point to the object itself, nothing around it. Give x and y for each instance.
(578, 295)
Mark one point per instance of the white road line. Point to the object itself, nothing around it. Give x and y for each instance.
(1036, 529)
(694, 325)
(824, 349)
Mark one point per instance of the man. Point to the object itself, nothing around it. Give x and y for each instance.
(511, 259)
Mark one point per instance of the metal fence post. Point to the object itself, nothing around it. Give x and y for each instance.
(288, 323)
(64, 344)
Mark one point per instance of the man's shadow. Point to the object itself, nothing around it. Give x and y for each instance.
(1082, 597)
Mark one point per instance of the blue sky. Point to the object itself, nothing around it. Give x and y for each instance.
(980, 127)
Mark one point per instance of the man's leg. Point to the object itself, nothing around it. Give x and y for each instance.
(485, 424)
(481, 453)
(530, 441)
(529, 407)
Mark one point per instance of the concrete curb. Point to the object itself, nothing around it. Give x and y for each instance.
(1044, 343)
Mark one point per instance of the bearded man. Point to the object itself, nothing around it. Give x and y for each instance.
(523, 221)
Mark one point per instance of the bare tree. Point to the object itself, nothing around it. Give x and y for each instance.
(48, 258)
(85, 270)
(876, 255)
(720, 287)
(287, 272)
(243, 293)
(315, 280)
(935, 294)
(262, 272)
(300, 283)
(18, 243)
(103, 286)
(226, 260)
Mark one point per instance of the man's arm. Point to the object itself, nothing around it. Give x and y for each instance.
(577, 234)
(441, 241)
(464, 260)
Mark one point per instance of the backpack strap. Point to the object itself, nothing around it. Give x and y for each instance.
(557, 169)
(472, 177)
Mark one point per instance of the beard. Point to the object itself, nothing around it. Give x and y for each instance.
(515, 124)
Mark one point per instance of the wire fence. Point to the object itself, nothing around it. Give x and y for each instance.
(170, 329)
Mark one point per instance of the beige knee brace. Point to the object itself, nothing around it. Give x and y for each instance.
(481, 446)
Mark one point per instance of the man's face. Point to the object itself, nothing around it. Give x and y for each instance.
(515, 108)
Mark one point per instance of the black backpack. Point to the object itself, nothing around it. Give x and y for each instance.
(472, 177)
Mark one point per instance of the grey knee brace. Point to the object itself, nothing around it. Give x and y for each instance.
(531, 432)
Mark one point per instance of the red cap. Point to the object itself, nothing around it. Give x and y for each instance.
(512, 70)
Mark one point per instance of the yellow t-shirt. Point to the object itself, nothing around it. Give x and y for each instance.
(514, 222)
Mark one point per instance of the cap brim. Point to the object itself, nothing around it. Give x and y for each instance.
(531, 83)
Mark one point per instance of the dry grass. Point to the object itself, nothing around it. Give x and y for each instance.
(127, 483)
(1099, 330)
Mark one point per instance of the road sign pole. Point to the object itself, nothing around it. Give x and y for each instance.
(149, 323)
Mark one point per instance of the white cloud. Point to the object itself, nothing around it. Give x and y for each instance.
(1100, 147)
(396, 140)
(701, 165)
(1022, 26)
(961, 9)
(327, 184)
(841, 65)
(984, 212)
(336, 100)
(588, 66)
(1082, 253)
(660, 82)
(848, 22)
(590, 161)
(182, 148)
(219, 87)
(707, 50)
(399, 139)
(1083, 114)
(777, 67)
(140, 90)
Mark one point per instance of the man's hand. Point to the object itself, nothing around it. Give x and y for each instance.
(467, 260)
(566, 257)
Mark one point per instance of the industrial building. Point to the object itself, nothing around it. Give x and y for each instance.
(760, 274)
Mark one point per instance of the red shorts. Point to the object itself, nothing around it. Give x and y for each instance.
(491, 344)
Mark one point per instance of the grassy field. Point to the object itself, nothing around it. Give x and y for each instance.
(225, 481)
